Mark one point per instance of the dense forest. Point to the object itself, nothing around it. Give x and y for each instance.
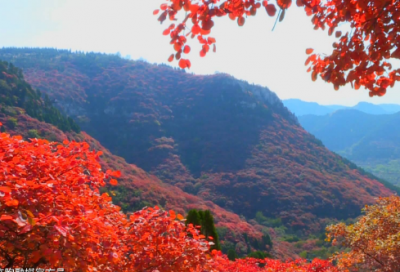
(221, 140)
(137, 189)
(15, 92)
(109, 164)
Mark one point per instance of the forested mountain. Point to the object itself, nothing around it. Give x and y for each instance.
(219, 140)
(371, 141)
(136, 188)
(15, 92)
(301, 108)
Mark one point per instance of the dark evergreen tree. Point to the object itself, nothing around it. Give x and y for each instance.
(266, 240)
(209, 229)
(232, 255)
(206, 221)
(16, 92)
(193, 217)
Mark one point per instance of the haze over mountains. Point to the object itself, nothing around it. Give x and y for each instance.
(366, 134)
(211, 141)
(300, 108)
(371, 141)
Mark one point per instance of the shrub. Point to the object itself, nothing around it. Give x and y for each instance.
(12, 123)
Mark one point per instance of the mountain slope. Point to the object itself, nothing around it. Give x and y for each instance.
(215, 137)
(136, 188)
(371, 141)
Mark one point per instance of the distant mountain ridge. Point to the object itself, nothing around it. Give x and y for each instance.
(371, 141)
(300, 108)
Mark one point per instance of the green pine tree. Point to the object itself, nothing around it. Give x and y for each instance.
(232, 255)
(193, 217)
(209, 229)
(206, 221)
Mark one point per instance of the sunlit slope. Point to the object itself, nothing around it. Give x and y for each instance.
(136, 188)
(217, 138)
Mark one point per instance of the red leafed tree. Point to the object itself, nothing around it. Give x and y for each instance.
(157, 241)
(221, 263)
(52, 215)
(361, 57)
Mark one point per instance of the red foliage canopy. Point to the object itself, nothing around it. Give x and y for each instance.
(359, 58)
(52, 215)
(221, 263)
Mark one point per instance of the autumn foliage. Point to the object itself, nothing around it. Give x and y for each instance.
(52, 215)
(361, 57)
(51, 212)
(220, 143)
(221, 263)
(374, 240)
(152, 249)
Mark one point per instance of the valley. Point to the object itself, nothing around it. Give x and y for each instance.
(370, 141)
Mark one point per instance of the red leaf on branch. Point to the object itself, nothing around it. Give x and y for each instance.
(184, 63)
(61, 230)
(284, 4)
(211, 40)
(396, 53)
(166, 32)
(241, 21)
(5, 189)
(207, 24)
(5, 217)
(186, 49)
(271, 10)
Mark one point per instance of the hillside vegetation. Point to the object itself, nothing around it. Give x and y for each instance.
(137, 189)
(209, 139)
(15, 92)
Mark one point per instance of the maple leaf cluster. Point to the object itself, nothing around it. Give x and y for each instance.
(52, 215)
(374, 240)
(360, 58)
(221, 263)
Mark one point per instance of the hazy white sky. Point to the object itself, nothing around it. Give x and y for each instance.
(253, 52)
